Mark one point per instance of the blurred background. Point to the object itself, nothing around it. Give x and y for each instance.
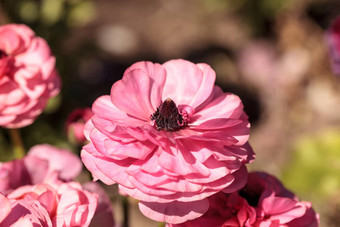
(270, 53)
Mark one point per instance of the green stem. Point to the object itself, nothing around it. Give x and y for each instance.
(18, 146)
(161, 224)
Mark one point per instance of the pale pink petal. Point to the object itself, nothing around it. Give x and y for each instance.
(27, 212)
(283, 209)
(176, 212)
(76, 207)
(104, 109)
(227, 106)
(187, 83)
(5, 207)
(137, 92)
(101, 168)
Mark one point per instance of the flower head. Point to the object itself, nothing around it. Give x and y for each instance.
(63, 161)
(262, 202)
(169, 138)
(43, 164)
(75, 124)
(35, 189)
(66, 204)
(27, 75)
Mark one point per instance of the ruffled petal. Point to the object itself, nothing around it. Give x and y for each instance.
(138, 92)
(187, 83)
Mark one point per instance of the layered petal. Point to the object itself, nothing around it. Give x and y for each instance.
(169, 138)
(187, 83)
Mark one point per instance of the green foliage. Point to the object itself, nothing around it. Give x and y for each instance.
(314, 169)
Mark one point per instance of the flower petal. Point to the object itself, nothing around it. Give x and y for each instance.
(174, 212)
(138, 92)
(187, 83)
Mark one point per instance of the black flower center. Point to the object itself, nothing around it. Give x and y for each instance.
(167, 116)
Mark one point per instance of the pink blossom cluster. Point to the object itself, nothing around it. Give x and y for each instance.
(264, 201)
(37, 190)
(166, 134)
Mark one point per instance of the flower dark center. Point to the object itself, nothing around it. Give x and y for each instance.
(167, 117)
(252, 196)
(2, 54)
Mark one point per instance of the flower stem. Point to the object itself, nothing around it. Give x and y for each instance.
(161, 224)
(18, 146)
(125, 204)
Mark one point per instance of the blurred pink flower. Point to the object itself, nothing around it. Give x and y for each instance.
(104, 212)
(169, 138)
(258, 64)
(75, 124)
(66, 204)
(67, 164)
(333, 41)
(27, 75)
(262, 202)
(43, 164)
(27, 171)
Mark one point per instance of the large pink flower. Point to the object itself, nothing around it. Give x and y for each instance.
(27, 75)
(66, 204)
(169, 138)
(263, 202)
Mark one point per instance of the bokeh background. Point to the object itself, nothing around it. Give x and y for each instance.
(272, 53)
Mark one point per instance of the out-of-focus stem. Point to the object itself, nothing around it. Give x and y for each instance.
(161, 224)
(18, 146)
(125, 204)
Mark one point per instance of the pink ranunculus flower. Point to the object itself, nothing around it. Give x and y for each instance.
(43, 164)
(63, 161)
(75, 124)
(66, 204)
(28, 77)
(170, 138)
(27, 171)
(263, 202)
(333, 42)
